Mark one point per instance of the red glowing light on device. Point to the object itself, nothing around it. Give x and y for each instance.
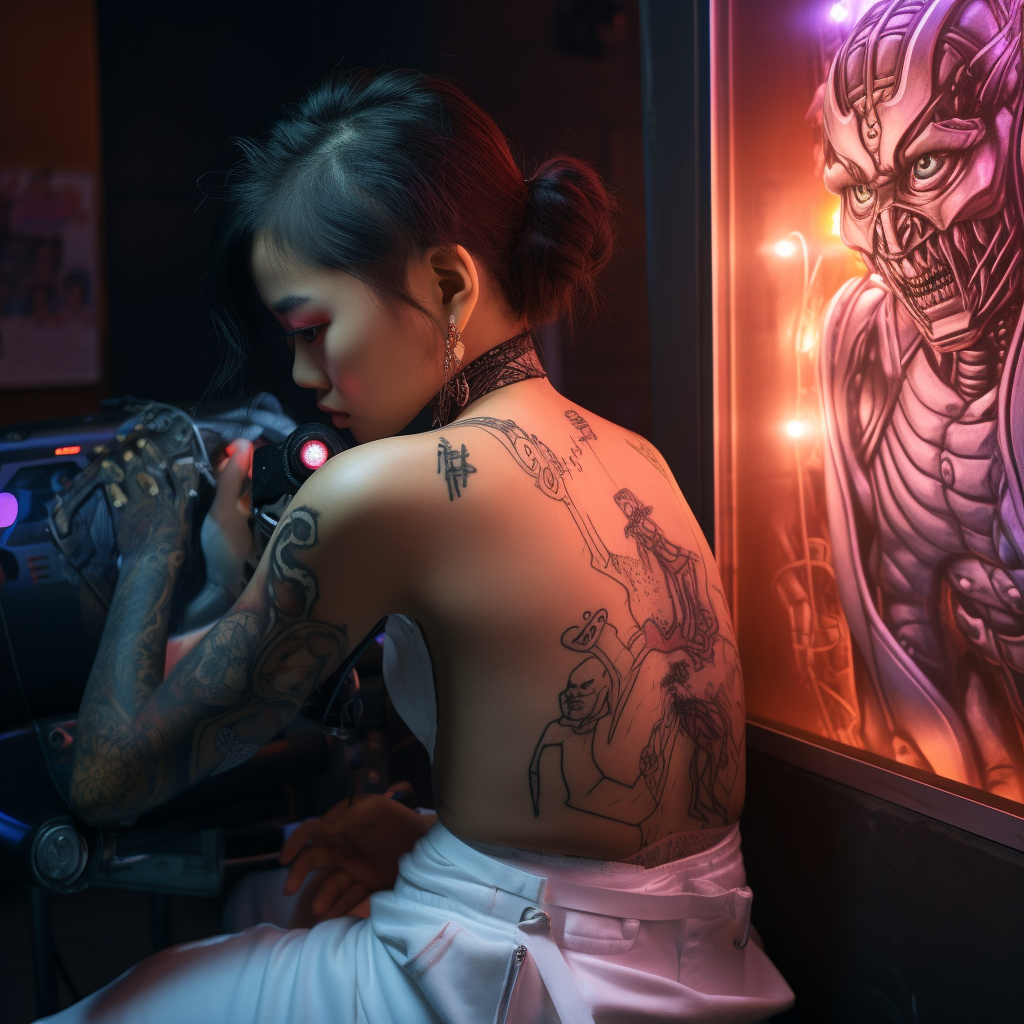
(313, 454)
(71, 449)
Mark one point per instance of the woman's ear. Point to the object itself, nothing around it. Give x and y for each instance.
(456, 284)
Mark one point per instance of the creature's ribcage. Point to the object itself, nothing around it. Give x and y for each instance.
(936, 479)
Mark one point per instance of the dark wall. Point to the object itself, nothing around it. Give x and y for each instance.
(564, 75)
(876, 914)
(178, 81)
(676, 56)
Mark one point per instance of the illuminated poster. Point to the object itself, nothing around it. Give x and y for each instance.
(48, 329)
(871, 392)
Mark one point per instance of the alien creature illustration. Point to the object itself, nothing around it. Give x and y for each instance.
(919, 366)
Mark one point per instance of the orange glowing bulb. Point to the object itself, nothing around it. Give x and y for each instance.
(796, 428)
(784, 248)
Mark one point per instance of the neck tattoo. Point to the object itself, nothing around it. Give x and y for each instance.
(508, 363)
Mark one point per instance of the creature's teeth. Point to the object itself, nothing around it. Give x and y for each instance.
(908, 268)
(919, 260)
(959, 239)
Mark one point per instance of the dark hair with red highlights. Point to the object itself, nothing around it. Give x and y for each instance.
(373, 167)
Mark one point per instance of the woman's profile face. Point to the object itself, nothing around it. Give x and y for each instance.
(372, 365)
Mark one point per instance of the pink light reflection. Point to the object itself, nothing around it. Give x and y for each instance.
(313, 454)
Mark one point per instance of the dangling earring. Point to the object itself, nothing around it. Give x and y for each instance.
(454, 344)
(454, 350)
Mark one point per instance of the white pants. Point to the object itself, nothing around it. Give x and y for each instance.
(597, 941)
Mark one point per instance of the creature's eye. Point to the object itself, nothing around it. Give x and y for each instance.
(862, 194)
(928, 166)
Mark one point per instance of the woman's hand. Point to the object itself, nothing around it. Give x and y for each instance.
(356, 848)
(226, 538)
(152, 503)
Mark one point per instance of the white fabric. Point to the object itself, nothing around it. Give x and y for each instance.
(409, 676)
(439, 947)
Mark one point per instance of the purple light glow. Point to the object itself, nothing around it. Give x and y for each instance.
(8, 509)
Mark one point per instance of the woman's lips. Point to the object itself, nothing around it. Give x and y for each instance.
(339, 419)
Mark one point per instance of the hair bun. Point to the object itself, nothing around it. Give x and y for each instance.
(567, 240)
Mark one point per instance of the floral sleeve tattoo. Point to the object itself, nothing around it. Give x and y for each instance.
(141, 742)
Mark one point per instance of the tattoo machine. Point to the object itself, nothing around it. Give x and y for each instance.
(279, 470)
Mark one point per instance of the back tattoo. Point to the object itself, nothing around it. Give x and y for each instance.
(647, 728)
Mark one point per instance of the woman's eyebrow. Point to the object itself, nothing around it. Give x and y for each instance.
(288, 303)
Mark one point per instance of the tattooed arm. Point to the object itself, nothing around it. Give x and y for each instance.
(141, 738)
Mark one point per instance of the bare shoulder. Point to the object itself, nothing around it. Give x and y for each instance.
(407, 476)
(386, 505)
(558, 439)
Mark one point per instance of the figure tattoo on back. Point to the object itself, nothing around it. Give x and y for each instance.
(640, 445)
(648, 727)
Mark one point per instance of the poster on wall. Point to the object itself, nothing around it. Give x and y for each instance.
(870, 231)
(49, 335)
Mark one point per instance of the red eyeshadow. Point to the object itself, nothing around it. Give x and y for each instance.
(298, 321)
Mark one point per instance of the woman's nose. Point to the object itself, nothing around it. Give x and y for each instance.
(306, 370)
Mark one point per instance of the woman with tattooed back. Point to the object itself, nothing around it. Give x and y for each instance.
(557, 633)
